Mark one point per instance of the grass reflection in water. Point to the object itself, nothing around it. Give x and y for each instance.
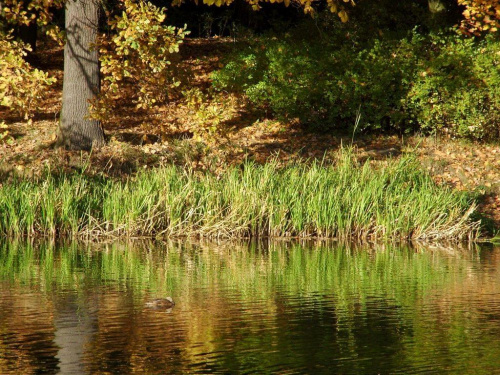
(267, 307)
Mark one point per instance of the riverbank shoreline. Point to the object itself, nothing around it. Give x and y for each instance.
(341, 198)
(140, 141)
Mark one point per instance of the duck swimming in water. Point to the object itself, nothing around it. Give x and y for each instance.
(161, 303)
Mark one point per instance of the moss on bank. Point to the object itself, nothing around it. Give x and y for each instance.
(345, 200)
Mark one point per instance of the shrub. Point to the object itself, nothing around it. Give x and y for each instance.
(457, 88)
(324, 84)
(21, 86)
(140, 50)
(435, 82)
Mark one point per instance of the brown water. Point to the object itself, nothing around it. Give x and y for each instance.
(246, 308)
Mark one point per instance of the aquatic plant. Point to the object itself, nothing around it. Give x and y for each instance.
(347, 200)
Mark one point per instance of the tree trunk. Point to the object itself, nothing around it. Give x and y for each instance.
(81, 77)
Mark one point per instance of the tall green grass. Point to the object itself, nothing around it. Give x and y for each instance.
(345, 201)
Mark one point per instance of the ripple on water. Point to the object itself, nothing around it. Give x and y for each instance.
(287, 310)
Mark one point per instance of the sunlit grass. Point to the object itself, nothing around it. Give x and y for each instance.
(346, 200)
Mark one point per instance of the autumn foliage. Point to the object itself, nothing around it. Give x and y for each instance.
(139, 50)
(480, 16)
(19, 12)
(335, 6)
(283, 72)
(21, 86)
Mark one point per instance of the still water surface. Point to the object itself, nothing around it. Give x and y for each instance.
(248, 308)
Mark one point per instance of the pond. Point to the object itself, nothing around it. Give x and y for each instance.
(270, 307)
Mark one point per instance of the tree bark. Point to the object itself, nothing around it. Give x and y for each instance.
(81, 77)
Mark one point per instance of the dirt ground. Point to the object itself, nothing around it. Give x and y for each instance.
(228, 132)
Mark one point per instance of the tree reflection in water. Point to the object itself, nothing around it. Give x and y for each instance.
(271, 307)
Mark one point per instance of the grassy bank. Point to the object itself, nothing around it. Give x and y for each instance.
(396, 200)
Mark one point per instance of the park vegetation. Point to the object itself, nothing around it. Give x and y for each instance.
(430, 67)
(344, 201)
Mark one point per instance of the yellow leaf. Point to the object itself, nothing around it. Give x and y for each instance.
(343, 16)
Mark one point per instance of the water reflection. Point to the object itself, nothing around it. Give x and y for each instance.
(74, 327)
(248, 308)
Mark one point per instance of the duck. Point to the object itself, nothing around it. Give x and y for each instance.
(161, 303)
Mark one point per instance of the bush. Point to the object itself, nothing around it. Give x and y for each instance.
(457, 88)
(435, 82)
(21, 86)
(140, 50)
(321, 84)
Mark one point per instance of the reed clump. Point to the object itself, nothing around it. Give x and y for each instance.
(347, 200)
